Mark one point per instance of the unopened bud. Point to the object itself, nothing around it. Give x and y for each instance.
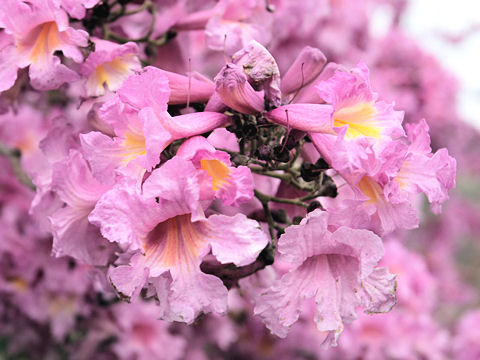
(297, 220)
(264, 152)
(330, 189)
(235, 91)
(280, 216)
(314, 205)
(306, 67)
(308, 171)
(280, 153)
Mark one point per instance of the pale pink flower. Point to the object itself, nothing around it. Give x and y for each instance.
(73, 235)
(232, 85)
(109, 65)
(466, 344)
(143, 128)
(337, 268)
(423, 171)
(77, 8)
(168, 234)
(360, 118)
(233, 25)
(38, 29)
(195, 88)
(142, 336)
(417, 287)
(262, 71)
(305, 69)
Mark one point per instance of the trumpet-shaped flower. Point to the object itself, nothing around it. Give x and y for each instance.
(109, 65)
(383, 187)
(337, 268)
(38, 28)
(168, 234)
(143, 128)
(356, 106)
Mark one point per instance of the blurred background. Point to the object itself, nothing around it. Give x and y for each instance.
(422, 54)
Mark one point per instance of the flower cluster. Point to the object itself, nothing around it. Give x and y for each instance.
(228, 188)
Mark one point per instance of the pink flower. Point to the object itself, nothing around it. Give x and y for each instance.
(38, 29)
(417, 288)
(194, 88)
(168, 234)
(306, 117)
(77, 8)
(466, 344)
(337, 268)
(384, 185)
(216, 175)
(362, 121)
(365, 199)
(73, 235)
(142, 336)
(422, 171)
(233, 25)
(142, 126)
(262, 71)
(109, 65)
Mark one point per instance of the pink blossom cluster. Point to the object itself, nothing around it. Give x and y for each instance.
(214, 180)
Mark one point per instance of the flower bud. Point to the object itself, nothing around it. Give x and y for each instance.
(235, 91)
(306, 67)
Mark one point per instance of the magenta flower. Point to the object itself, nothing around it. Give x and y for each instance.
(337, 268)
(168, 234)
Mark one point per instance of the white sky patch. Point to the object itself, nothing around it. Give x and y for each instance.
(426, 20)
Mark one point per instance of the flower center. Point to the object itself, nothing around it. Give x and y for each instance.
(218, 171)
(371, 189)
(173, 243)
(360, 119)
(111, 73)
(41, 41)
(133, 146)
